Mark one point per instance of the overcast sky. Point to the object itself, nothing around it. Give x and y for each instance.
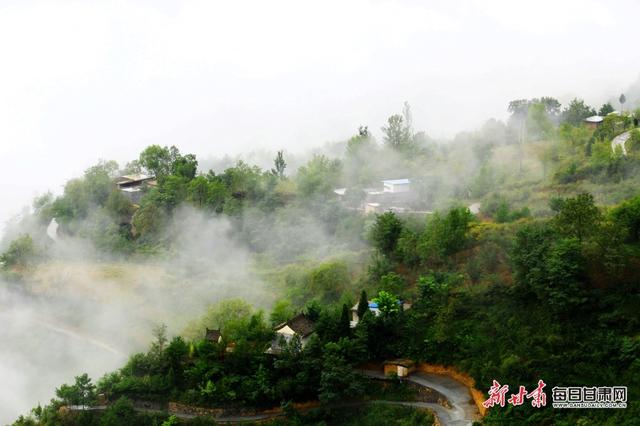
(80, 81)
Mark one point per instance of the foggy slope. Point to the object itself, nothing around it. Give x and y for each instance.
(75, 314)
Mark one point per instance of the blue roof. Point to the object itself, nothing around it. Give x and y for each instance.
(397, 181)
(373, 305)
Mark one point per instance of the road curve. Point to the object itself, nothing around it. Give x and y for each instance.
(463, 410)
(620, 140)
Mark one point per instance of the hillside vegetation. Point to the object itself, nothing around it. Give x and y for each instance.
(541, 283)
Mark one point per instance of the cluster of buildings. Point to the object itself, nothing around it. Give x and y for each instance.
(393, 195)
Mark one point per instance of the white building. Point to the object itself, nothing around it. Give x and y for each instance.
(395, 186)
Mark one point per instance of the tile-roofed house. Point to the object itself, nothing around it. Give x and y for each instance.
(132, 185)
(300, 326)
(213, 335)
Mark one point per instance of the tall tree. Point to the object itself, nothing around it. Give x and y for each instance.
(578, 217)
(577, 111)
(385, 232)
(279, 165)
(363, 305)
(605, 109)
(398, 133)
(622, 100)
(388, 303)
(345, 323)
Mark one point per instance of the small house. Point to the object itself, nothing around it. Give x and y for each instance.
(213, 335)
(373, 308)
(132, 185)
(593, 121)
(300, 326)
(399, 367)
(395, 186)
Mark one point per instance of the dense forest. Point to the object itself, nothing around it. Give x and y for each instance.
(519, 252)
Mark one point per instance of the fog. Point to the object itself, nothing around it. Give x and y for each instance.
(84, 81)
(75, 314)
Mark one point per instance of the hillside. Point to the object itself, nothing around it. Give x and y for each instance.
(540, 284)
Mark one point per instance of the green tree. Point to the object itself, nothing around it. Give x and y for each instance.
(98, 181)
(339, 381)
(627, 216)
(444, 236)
(185, 166)
(565, 265)
(318, 177)
(433, 289)
(576, 112)
(282, 311)
(279, 165)
(229, 315)
(173, 190)
(388, 304)
(392, 283)
(622, 99)
(539, 125)
(150, 219)
(578, 217)
(385, 232)
(120, 413)
(156, 160)
(605, 109)
(119, 206)
(397, 133)
(633, 144)
(363, 304)
(21, 251)
(82, 392)
(344, 323)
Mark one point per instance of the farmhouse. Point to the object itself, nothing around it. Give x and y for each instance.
(132, 186)
(373, 308)
(392, 195)
(593, 121)
(300, 326)
(395, 186)
(213, 335)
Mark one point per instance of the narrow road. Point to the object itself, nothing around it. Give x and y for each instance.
(463, 410)
(620, 140)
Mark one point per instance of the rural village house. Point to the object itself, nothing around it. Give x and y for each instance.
(132, 186)
(299, 326)
(373, 308)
